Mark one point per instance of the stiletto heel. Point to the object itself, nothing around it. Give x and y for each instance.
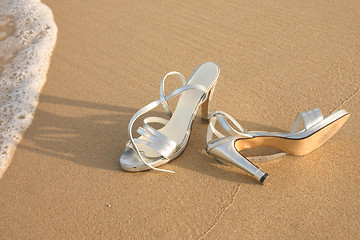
(156, 147)
(226, 153)
(315, 132)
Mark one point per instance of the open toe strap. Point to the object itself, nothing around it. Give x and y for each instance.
(303, 121)
(153, 138)
(306, 120)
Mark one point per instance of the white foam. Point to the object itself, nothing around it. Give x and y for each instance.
(27, 39)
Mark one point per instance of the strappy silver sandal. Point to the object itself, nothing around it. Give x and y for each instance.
(315, 131)
(157, 147)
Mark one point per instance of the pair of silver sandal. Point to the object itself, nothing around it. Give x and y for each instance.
(156, 147)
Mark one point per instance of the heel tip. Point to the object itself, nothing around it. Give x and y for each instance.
(263, 178)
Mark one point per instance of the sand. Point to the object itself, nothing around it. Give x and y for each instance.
(276, 59)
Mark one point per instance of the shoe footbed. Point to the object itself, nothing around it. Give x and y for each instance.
(294, 146)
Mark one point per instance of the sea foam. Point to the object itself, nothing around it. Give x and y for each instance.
(27, 39)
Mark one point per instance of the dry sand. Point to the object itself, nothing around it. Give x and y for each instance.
(276, 58)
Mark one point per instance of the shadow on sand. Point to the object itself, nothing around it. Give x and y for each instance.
(97, 140)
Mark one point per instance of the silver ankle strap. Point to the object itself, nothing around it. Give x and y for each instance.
(219, 116)
(240, 132)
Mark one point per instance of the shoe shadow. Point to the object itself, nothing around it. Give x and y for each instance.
(94, 140)
(97, 140)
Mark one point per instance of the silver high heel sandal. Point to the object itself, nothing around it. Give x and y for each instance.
(157, 147)
(315, 131)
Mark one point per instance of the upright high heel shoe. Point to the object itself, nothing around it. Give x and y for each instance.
(156, 147)
(315, 131)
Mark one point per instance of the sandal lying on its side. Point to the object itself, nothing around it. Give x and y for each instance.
(156, 147)
(315, 132)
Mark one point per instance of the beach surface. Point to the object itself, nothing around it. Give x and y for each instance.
(276, 59)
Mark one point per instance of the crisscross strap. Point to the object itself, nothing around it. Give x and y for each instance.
(162, 89)
(156, 140)
(307, 119)
(154, 137)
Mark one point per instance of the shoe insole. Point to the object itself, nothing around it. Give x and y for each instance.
(301, 146)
